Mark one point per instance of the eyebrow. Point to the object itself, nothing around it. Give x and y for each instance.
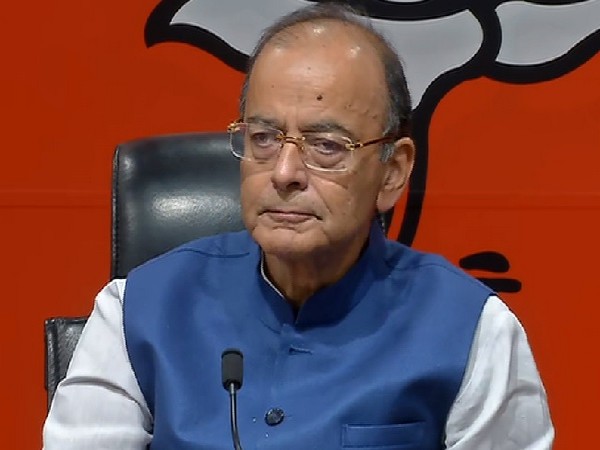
(263, 121)
(326, 126)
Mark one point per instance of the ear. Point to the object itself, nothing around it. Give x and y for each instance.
(397, 173)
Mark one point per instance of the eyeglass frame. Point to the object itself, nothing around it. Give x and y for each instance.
(283, 139)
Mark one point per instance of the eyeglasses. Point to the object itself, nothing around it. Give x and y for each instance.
(322, 151)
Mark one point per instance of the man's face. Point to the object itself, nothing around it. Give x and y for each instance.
(321, 76)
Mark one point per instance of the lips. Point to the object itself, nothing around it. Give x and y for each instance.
(285, 215)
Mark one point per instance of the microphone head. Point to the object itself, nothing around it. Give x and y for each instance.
(232, 368)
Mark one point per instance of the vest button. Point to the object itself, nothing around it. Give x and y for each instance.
(274, 416)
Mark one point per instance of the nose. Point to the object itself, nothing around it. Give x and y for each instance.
(289, 173)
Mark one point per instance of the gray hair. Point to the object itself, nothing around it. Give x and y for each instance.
(399, 121)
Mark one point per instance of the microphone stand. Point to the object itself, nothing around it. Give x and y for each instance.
(233, 416)
(232, 374)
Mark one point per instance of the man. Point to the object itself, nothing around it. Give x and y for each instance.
(349, 340)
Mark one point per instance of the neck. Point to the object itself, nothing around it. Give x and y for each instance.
(298, 278)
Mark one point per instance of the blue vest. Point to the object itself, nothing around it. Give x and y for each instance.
(374, 361)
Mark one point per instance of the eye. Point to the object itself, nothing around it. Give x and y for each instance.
(327, 145)
(263, 138)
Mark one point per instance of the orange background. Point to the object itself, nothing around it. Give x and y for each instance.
(512, 169)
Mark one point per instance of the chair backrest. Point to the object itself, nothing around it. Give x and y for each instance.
(166, 190)
(62, 334)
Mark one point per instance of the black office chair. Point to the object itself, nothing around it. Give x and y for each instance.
(62, 334)
(166, 190)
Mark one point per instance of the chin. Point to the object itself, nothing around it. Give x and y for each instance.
(289, 243)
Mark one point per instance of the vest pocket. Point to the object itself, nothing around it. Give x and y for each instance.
(388, 437)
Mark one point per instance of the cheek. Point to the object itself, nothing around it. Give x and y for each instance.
(352, 200)
(252, 187)
(339, 199)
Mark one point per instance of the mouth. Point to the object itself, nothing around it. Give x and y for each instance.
(291, 216)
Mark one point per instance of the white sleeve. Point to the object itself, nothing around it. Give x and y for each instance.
(99, 404)
(502, 403)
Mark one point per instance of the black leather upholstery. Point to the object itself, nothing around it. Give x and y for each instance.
(166, 190)
(62, 334)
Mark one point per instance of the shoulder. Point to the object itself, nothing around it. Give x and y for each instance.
(407, 263)
(225, 246)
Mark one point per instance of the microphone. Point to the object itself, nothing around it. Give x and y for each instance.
(232, 374)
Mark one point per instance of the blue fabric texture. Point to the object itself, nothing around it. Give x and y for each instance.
(374, 361)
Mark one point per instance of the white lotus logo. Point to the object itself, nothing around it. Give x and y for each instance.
(443, 43)
(433, 37)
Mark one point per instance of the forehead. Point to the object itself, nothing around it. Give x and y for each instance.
(319, 68)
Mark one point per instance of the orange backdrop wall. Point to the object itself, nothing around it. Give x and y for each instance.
(512, 168)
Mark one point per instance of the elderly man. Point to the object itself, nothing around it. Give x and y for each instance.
(350, 340)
